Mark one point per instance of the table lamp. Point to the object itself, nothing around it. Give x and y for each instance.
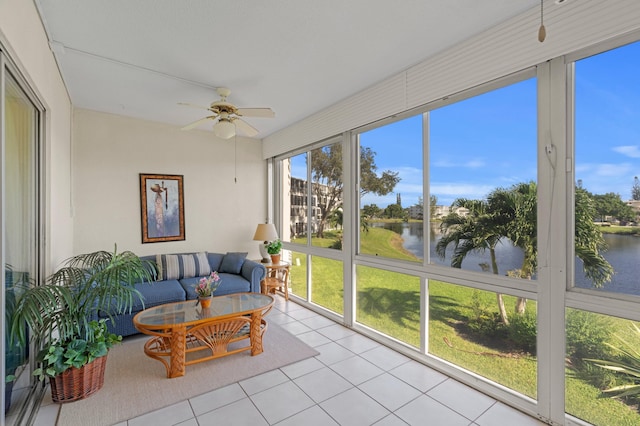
(265, 232)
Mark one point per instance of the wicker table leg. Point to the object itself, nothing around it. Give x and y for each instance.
(255, 334)
(178, 352)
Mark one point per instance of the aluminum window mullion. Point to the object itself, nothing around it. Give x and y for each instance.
(554, 179)
(350, 225)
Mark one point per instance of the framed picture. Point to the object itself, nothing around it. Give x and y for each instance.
(162, 205)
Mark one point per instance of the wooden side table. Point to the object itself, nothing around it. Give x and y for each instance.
(277, 278)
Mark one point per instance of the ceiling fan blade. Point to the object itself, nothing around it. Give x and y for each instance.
(192, 105)
(244, 127)
(197, 123)
(256, 112)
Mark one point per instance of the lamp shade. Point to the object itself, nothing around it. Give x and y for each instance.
(265, 232)
(224, 129)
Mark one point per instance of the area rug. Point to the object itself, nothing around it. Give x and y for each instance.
(135, 384)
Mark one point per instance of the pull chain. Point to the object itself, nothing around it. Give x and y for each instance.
(542, 32)
(235, 159)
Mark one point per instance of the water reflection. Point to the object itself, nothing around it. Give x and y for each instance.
(623, 254)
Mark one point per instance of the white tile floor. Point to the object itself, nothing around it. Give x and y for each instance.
(353, 381)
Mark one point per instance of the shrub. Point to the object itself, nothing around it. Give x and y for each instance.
(587, 334)
(483, 320)
(522, 331)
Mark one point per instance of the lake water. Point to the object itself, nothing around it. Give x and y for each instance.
(623, 254)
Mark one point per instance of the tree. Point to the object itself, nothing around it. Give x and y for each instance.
(394, 211)
(516, 208)
(336, 218)
(369, 179)
(364, 222)
(477, 231)
(610, 204)
(326, 172)
(371, 210)
(433, 203)
(589, 242)
(327, 175)
(512, 213)
(635, 189)
(519, 206)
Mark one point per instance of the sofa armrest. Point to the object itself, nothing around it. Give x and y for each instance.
(253, 272)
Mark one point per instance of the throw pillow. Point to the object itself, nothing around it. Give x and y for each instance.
(178, 266)
(232, 262)
(188, 266)
(170, 267)
(202, 262)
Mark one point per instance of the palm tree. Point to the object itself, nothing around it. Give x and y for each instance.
(512, 213)
(516, 208)
(478, 231)
(589, 242)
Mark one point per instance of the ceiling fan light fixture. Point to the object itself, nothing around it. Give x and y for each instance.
(224, 129)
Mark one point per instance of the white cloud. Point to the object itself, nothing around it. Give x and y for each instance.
(448, 192)
(587, 170)
(632, 151)
(474, 163)
(610, 170)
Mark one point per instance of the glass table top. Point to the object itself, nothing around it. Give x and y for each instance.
(191, 310)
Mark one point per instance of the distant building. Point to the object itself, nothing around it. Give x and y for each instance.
(298, 204)
(635, 205)
(416, 212)
(461, 211)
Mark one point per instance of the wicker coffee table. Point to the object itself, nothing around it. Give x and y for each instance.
(184, 333)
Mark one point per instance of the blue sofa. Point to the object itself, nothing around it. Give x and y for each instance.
(176, 276)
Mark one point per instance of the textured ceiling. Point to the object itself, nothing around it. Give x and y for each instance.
(139, 58)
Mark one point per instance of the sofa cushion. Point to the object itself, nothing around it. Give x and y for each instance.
(232, 263)
(154, 294)
(188, 285)
(177, 266)
(229, 283)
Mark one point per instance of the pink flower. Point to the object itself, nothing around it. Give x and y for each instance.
(207, 285)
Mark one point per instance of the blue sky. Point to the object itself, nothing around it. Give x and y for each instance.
(476, 145)
(489, 141)
(608, 120)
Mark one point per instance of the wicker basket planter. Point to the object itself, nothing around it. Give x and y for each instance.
(78, 383)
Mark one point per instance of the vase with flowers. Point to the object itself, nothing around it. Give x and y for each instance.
(206, 287)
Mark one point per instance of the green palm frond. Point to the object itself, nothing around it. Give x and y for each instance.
(70, 297)
(627, 364)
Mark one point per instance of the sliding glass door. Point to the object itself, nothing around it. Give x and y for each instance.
(21, 232)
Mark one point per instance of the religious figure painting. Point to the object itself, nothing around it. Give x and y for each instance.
(162, 205)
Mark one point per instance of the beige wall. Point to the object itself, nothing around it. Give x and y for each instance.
(109, 153)
(23, 37)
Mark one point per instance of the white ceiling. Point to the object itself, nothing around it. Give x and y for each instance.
(139, 58)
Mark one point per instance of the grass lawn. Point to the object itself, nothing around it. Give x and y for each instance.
(622, 230)
(390, 302)
(384, 243)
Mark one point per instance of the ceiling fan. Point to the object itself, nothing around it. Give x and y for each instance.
(227, 116)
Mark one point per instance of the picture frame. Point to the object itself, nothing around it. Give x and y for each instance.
(162, 207)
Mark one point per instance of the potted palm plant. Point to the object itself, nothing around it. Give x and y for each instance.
(62, 315)
(273, 248)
